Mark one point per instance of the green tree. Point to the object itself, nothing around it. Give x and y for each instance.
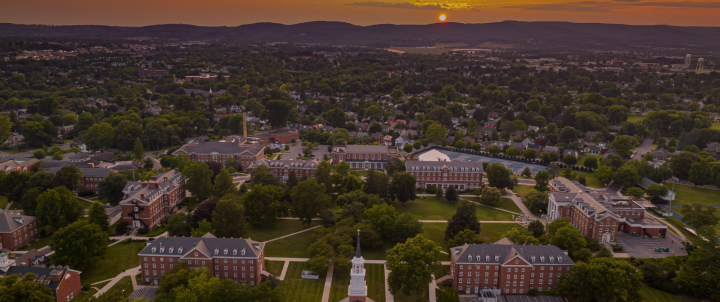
(451, 194)
(292, 179)
(635, 192)
(700, 272)
(494, 149)
(85, 121)
(264, 203)
(500, 177)
(138, 151)
(402, 187)
(98, 216)
(568, 238)
(656, 191)
(15, 288)
(436, 133)
(382, 217)
(536, 228)
(512, 151)
(224, 184)
(491, 196)
(464, 218)
(58, 208)
(225, 217)
(405, 227)
(698, 215)
(99, 136)
(198, 179)
(604, 175)
(261, 175)
(39, 154)
(465, 237)
(537, 202)
(590, 162)
(309, 198)
(626, 176)
(323, 175)
(80, 245)
(5, 127)
(521, 236)
(111, 187)
(411, 265)
(203, 228)
(69, 177)
(570, 159)
(611, 279)
(701, 173)
(623, 145)
(542, 179)
(180, 225)
(376, 183)
(530, 153)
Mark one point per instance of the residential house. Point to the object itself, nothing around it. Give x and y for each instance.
(402, 140)
(64, 283)
(713, 147)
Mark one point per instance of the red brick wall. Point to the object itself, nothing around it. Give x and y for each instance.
(70, 284)
(523, 280)
(164, 263)
(15, 242)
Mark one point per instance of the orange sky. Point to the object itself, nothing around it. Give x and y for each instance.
(361, 12)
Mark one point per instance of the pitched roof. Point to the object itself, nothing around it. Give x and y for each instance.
(43, 273)
(207, 244)
(499, 254)
(13, 220)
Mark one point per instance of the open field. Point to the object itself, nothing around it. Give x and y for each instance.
(302, 290)
(118, 258)
(715, 126)
(432, 209)
(281, 228)
(525, 189)
(505, 204)
(274, 267)
(294, 246)
(636, 118)
(374, 278)
(650, 294)
(489, 232)
(690, 195)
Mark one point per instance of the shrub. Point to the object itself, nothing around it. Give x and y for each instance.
(86, 287)
(533, 292)
(85, 193)
(122, 227)
(143, 231)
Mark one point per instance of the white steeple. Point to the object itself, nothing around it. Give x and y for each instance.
(357, 288)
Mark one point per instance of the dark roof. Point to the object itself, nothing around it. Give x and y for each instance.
(43, 273)
(206, 244)
(78, 156)
(31, 257)
(8, 222)
(105, 156)
(507, 252)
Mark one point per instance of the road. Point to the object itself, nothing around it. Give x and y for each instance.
(643, 148)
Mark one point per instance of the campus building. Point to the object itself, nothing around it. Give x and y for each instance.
(597, 215)
(281, 168)
(16, 229)
(461, 175)
(243, 151)
(64, 283)
(147, 203)
(365, 156)
(240, 260)
(491, 270)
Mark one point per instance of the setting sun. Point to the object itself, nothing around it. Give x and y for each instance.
(443, 17)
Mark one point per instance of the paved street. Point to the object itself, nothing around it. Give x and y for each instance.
(643, 148)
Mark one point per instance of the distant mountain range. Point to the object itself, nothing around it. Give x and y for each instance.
(530, 34)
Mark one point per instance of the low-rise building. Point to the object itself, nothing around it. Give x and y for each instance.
(507, 268)
(365, 156)
(281, 168)
(443, 174)
(63, 282)
(91, 177)
(237, 259)
(244, 152)
(147, 203)
(16, 229)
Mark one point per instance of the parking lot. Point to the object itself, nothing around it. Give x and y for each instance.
(297, 150)
(639, 247)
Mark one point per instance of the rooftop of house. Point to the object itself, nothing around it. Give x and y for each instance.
(503, 253)
(13, 220)
(208, 245)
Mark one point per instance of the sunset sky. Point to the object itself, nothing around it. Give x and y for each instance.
(360, 12)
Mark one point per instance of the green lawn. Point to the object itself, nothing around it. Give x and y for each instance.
(650, 294)
(301, 290)
(3, 203)
(590, 179)
(489, 232)
(359, 172)
(691, 195)
(635, 118)
(715, 126)
(294, 246)
(441, 271)
(274, 267)
(86, 204)
(505, 204)
(85, 296)
(524, 189)
(374, 278)
(15, 206)
(420, 296)
(38, 243)
(432, 209)
(190, 203)
(125, 284)
(154, 232)
(281, 228)
(582, 158)
(118, 258)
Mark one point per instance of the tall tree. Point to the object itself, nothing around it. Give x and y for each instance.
(15, 288)
(542, 179)
(411, 265)
(98, 216)
(500, 177)
(406, 226)
(80, 245)
(261, 175)
(451, 194)
(323, 175)
(138, 151)
(698, 215)
(69, 177)
(611, 279)
(99, 136)
(111, 187)
(382, 217)
(491, 196)
(223, 184)
(180, 225)
(198, 181)
(402, 187)
(464, 218)
(309, 198)
(58, 208)
(377, 183)
(264, 203)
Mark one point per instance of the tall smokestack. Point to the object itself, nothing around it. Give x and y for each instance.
(244, 124)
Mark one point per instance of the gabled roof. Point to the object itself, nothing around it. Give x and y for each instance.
(207, 245)
(13, 220)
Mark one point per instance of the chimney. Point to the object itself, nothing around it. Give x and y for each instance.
(55, 275)
(177, 169)
(153, 178)
(144, 184)
(244, 124)
(142, 196)
(167, 169)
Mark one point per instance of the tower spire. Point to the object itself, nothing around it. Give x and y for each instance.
(357, 248)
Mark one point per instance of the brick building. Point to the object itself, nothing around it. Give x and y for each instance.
(494, 269)
(62, 281)
(278, 136)
(153, 73)
(365, 156)
(599, 216)
(234, 148)
(281, 168)
(461, 175)
(16, 229)
(238, 259)
(147, 203)
(91, 177)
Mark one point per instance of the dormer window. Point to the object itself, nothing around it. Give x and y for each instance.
(180, 250)
(226, 250)
(469, 257)
(162, 249)
(487, 258)
(235, 251)
(542, 258)
(497, 258)
(153, 249)
(217, 250)
(171, 250)
(559, 258)
(242, 252)
(478, 257)
(532, 258)
(552, 259)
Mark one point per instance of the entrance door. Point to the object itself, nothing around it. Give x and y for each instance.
(136, 224)
(467, 290)
(606, 238)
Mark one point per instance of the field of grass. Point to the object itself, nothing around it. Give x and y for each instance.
(118, 258)
(190, 203)
(441, 271)
(505, 204)
(302, 290)
(86, 204)
(432, 209)
(489, 232)
(374, 277)
(281, 228)
(650, 294)
(636, 118)
(15, 206)
(420, 296)
(690, 195)
(582, 159)
(590, 179)
(85, 296)
(274, 267)
(715, 126)
(525, 189)
(38, 243)
(296, 246)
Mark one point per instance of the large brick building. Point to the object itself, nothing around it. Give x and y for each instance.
(233, 148)
(461, 175)
(281, 168)
(16, 229)
(147, 203)
(365, 156)
(237, 259)
(63, 282)
(493, 269)
(91, 177)
(597, 215)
